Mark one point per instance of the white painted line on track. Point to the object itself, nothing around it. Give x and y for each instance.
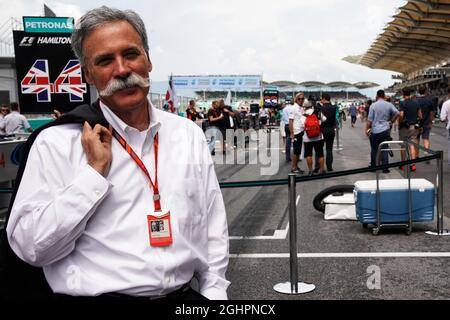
(345, 255)
(277, 235)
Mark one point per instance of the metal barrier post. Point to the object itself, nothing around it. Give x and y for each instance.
(440, 198)
(441, 193)
(338, 147)
(293, 287)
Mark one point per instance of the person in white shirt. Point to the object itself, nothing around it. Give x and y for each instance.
(284, 125)
(86, 203)
(14, 122)
(296, 131)
(445, 116)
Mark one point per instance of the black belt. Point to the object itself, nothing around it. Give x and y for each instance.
(177, 294)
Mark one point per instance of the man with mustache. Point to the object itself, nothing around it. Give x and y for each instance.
(89, 196)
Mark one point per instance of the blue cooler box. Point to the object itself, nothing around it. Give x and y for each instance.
(394, 200)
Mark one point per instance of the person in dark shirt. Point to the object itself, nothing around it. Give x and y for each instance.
(428, 108)
(227, 114)
(328, 128)
(228, 122)
(191, 112)
(410, 115)
(367, 105)
(215, 131)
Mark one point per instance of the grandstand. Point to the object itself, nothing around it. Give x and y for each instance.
(338, 90)
(416, 45)
(248, 95)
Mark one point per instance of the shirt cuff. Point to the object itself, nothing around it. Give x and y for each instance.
(215, 293)
(213, 287)
(91, 185)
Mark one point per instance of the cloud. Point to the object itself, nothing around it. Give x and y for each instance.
(65, 10)
(297, 40)
(17, 9)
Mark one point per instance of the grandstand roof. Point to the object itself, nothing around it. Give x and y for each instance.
(417, 38)
(312, 84)
(339, 84)
(365, 85)
(284, 83)
(318, 84)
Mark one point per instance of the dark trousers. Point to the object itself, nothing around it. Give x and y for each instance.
(328, 138)
(375, 140)
(288, 142)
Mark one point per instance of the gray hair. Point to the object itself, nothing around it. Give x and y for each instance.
(100, 16)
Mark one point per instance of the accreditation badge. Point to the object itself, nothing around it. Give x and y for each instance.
(159, 228)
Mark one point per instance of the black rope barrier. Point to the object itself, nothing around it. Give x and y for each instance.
(277, 182)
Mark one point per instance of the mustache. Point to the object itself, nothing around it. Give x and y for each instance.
(133, 80)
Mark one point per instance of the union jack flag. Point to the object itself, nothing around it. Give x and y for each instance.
(70, 81)
(41, 85)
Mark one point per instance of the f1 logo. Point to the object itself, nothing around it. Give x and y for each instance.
(27, 41)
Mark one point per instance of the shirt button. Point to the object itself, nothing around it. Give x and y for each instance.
(168, 279)
(97, 193)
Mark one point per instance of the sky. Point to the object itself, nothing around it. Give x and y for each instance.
(296, 40)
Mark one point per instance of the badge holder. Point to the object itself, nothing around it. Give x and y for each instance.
(159, 228)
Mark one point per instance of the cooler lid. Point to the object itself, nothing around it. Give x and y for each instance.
(346, 198)
(393, 184)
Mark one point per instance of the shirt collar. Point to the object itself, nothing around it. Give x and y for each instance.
(124, 128)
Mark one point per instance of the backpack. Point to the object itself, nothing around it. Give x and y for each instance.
(312, 126)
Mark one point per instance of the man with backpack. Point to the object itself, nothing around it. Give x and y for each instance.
(313, 138)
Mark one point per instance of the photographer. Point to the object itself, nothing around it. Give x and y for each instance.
(409, 120)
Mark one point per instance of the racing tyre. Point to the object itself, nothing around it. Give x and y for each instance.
(318, 203)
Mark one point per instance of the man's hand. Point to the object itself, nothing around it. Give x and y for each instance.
(96, 143)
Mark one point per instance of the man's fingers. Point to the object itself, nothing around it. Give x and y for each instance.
(99, 128)
(87, 127)
(104, 133)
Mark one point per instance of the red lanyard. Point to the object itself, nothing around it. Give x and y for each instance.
(134, 156)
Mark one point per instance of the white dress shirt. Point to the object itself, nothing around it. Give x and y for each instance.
(90, 233)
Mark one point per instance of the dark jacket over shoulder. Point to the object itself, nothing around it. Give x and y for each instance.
(19, 280)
